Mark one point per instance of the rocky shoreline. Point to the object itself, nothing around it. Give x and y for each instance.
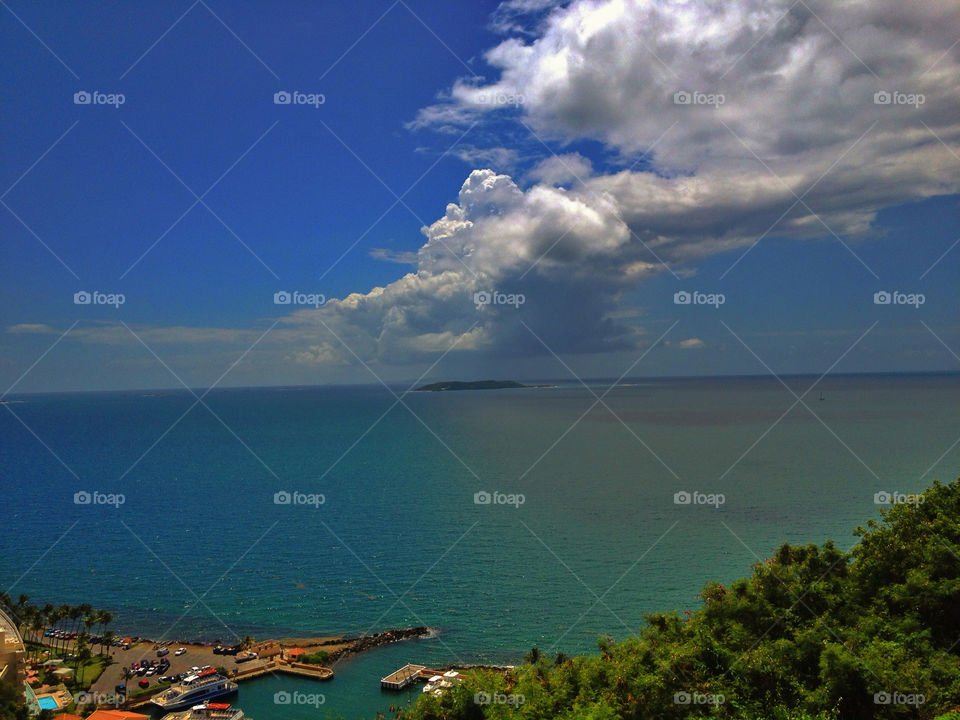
(387, 637)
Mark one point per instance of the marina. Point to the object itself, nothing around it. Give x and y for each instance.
(402, 678)
(269, 667)
(410, 673)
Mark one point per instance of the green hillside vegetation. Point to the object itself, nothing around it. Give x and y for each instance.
(813, 633)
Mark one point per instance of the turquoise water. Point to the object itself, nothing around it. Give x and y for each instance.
(199, 549)
(47, 703)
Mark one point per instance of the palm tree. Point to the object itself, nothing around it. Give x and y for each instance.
(107, 638)
(36, 624)
(88, 622)
(82, 653)
(22, 602)
(83, 610)
(46, 612)
(64, 612)
(105, 618)
(54, 615)
(76, 616)
(532, 657)
(246, 643)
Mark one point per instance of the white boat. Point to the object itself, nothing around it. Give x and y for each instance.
(207, 711)
(195, 689)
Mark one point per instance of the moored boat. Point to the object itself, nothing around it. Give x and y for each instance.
(208, 711)
(194, 690)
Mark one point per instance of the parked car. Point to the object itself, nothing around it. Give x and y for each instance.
(180, 651)
(162, 651)
(144, 683)
(120, 689)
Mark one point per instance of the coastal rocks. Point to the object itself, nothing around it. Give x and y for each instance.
(368, 642)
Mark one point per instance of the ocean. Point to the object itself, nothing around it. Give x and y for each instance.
(505, 519)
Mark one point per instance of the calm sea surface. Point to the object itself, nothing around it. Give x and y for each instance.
(200, 549)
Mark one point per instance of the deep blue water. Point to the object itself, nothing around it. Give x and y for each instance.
(199, 549)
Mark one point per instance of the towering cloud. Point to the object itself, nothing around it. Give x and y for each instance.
(729, 121)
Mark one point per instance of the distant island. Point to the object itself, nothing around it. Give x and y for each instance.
(477, 385)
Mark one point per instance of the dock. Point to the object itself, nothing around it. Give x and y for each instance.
(317, 672)
(402, 678)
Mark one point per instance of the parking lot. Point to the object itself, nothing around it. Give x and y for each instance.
(195, 656)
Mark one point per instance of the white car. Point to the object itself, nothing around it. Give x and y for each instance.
(180, 651)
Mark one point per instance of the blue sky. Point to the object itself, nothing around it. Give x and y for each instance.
(647, 198)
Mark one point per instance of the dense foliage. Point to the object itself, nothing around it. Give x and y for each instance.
(317, 658)
(813, 634)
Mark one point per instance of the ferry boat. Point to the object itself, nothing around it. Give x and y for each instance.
(195, 689)
(207, 711)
